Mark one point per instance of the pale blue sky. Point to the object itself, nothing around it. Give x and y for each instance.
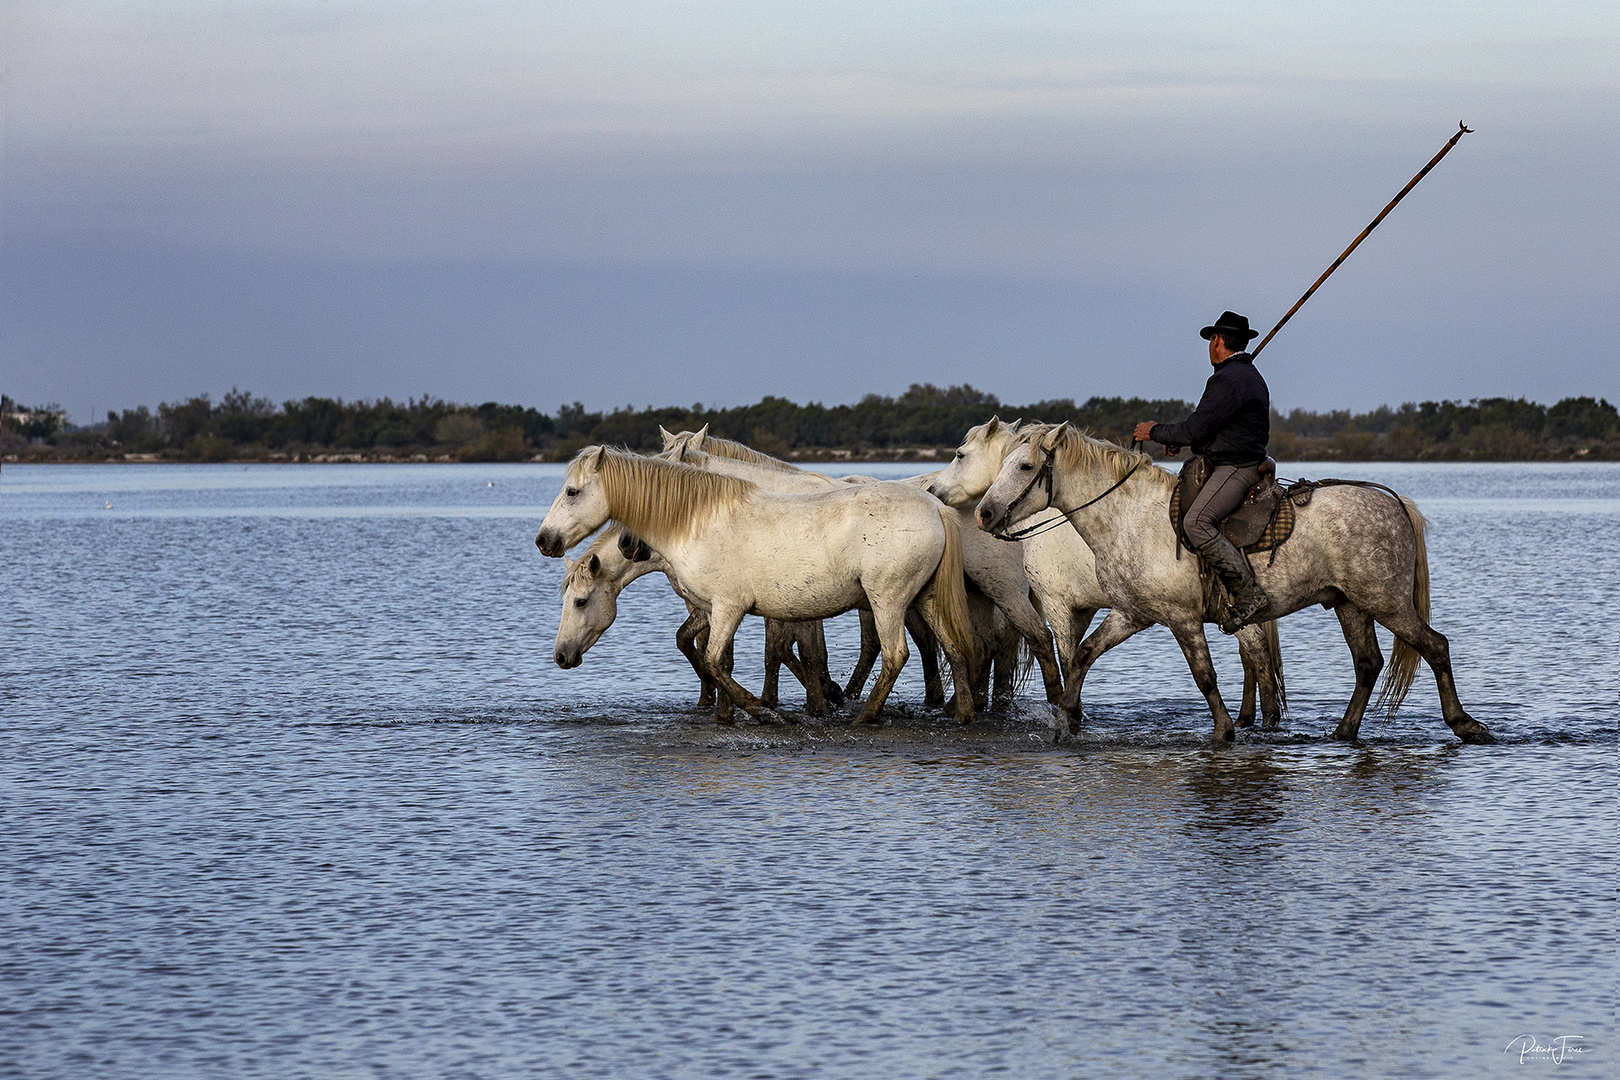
(652, 203)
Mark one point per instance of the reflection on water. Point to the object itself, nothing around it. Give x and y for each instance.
(292, 788)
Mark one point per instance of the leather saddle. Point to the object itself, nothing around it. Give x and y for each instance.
(1261, 523)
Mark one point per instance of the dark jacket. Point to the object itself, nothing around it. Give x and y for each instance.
(1232, 423)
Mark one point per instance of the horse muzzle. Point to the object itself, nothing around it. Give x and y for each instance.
(567, 660)
(550, 543)
(988, 515)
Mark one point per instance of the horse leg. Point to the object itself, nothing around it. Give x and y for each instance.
(777, 650)
(1258, 678)
(863, 663)
(816, 641)
(1117, 627)
(890, 626)
(1436, 651)
(692, 638)
(961, 704)
(723, 623)
(1195, 647)
(1369, 660)
(1033, 629)
(928, 655)
(1006, 670)
(1068, 629)
(795, 633)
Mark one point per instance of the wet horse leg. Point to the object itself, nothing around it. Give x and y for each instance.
(1195, 647)
(961, 706)
(813, 654)
(1369, 661)
(1254, 645)
(1005, 665)
(1117, 627)
(1436, 651)
(868, 655)
(692, 638)
(927, 655)
(723, 623)
(890, 626)
(777, 651)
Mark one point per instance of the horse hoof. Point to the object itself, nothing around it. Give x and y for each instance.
(1344, 734)
(1477, 735)
(725, 721)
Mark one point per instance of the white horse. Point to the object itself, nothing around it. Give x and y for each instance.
(1354, 549)
(740, 549)
(1063, 573)
(995, 567)
(590, 594)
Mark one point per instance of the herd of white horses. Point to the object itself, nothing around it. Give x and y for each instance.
(738, 532)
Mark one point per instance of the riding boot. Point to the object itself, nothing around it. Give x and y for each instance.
(1233, 570)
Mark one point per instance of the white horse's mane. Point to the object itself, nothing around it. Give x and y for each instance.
(726, 448)
(1081, 451)
(666, 499)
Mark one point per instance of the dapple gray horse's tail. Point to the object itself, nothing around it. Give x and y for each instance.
(1403, 662)
(1274, 667)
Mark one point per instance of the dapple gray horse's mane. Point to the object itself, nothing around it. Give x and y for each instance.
(1081, 451)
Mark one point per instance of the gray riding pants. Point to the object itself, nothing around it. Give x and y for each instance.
(1222, 493)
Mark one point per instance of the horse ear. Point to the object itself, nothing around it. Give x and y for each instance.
(1050, 440)
(1012, 428)
(595, 457)
(991, 428)
(596, 564)
(664, 434)
(698, 437)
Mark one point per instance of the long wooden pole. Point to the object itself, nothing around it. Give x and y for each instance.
(1444, 150)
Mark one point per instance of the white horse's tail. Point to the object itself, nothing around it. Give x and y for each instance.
(1403, 662)
(950, 592)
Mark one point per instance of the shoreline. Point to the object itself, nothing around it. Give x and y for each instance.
(1579, 457)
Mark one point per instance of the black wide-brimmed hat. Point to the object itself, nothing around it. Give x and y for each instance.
(1233, 328)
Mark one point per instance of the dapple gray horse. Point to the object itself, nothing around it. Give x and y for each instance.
(1354, 549)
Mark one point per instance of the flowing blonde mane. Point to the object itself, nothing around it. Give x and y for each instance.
(713, 444)
(660, 500)
(1079, 451)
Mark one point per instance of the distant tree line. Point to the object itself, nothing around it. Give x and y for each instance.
(924, 422)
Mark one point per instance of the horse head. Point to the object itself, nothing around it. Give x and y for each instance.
(580, 507)
(976, 463)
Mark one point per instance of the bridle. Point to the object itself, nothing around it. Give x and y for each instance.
(1044, 476)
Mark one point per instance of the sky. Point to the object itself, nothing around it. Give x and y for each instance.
(628, 203)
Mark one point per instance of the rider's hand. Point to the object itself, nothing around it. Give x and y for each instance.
(1171, 451)
(1144, 431)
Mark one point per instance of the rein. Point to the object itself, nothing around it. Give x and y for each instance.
(1014, 535)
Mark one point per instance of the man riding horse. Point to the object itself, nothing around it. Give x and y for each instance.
(1230, 427)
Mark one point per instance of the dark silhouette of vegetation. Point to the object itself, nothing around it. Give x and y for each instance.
(924, 422)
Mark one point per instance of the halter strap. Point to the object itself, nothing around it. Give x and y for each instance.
(1013, 535)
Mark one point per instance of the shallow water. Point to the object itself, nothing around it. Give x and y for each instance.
(293, 788)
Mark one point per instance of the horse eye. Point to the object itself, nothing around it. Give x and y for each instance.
(1025, 467)
(959, 454)
(571, 492)
(581, 601)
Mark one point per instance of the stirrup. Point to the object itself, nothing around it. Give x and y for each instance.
(1237, 616)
